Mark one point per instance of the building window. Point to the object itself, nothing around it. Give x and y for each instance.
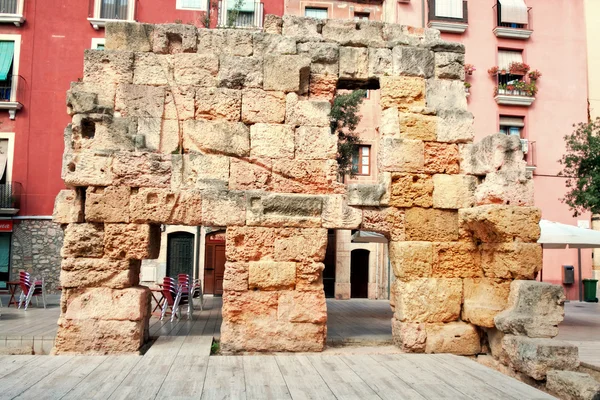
(10, 82)
(510, 81)
(449, 9)
(512, 125)
(248, 13)
(314, 12)
(103, 10)
(191, 5)
(512, 13)
(11, 11)
(361, 16)
(98, 43)
(361, 160)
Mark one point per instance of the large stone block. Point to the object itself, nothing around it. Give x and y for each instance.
(454, 337)
(250, 243)
(446, 95)
(87, 170)
(279, 210)
(367, 194)
(174, 38)
(107, 204)
(506, 187)
(449, 65)
(309, 307)
(302, 29)
(309, 276)
(218, 104)
(388, 221)
(140, 101)
(83, 240)
(250, 173)
(499, 223)
(162, 206)
(235, 277)
(261, 106)
(428, 300)
(389, 125)
(99, 272)
(412, 61)
(401, 155)
(152, 69)
(100, 66)
(322, 86)
(223, 208)
(141, 169)
(493, 153)
(352, 33)
(196, 69)
(301, 245)
(324, 57)
(410, 190)
(179, 104)
(410, 337)
(305, 176)
(535, 357)
(129, 304)
(417, 126)
(314, 142)
(455, 127)
(454, 191)
(534, 309)
(266, 44)
(272, 141)
(273, 24)
(219, 137)
(243, 307)
(570, 385)
(380, 62)
(200, 171)
(511, 260)
(307, 112)
(84, 97)
(234, 42)
(240, 72)
(131, 241)
(484, 299)
(68, 207)
(286, 73)
(402, 92)
(128, 36)
(269, 275)
(411, 260)
(431, 225)
(456, 260)
(354, 63)
(338, 215)
(100, 132)
(441, 158)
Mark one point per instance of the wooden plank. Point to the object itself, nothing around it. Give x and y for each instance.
(185, 379)
(302, 379)
(144, 381)
(104, 380)
(387, 385)
(29, 374)
(508, 385)
(224, 379)
(9, 364)
(419, 378)
(63, 379)
(264, 379)
(341, 379)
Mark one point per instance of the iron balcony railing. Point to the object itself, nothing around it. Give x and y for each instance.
(110, 9)
(433, 17)
(12, 89)
(9, 6)
(531, 156)
(239, 19)
(497, 9)
(10, 195)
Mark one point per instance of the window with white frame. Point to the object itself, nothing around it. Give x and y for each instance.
(315, 12)
(510, 125)
(11, 11)
(98, 43)
(449, 8)
(111, 10)
(10, 47)
(361, 160)
(198, 5)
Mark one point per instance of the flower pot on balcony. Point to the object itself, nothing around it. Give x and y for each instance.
(501, 91)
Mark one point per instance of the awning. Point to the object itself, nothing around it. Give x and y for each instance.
(449, 8)
(3, 156)
(505, 58)
(7, 51)
(368, 237)
(246, 6)
(555, 235)
(513, 11)
(512, 121)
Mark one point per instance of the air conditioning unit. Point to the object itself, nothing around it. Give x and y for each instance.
(524, 146)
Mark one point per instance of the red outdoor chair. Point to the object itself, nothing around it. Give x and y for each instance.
(186, 290)
(171, 294)
(31, 288)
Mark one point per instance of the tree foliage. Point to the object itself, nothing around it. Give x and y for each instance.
(344, 120)
(581, 167)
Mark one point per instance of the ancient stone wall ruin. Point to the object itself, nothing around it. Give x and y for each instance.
(178, 125)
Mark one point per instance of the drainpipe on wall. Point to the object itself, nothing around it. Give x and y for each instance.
(389, 270)
(198, 252)
(422, 13)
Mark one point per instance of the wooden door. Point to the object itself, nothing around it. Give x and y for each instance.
(214, 263)
(180, 254)
(359, 274)
(219, 268)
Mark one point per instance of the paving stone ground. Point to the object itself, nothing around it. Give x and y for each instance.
(581, 327)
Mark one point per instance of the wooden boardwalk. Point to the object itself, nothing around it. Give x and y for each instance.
(175, 369)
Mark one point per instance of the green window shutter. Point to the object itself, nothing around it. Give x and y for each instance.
(246, 5)
(7, 52)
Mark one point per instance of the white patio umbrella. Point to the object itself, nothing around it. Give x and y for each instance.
(555, 235)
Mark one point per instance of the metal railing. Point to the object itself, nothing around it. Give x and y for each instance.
(9, 6)
(434, 17)
(497, 9)
(239, 19)
(12, 89)
(10, 195)
(110, 9)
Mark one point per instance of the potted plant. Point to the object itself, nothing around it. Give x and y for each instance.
(501, 89)
(493, 71)
(467, 87)
(535, 75)
(520, 88)
(510, 88)
(518, 68)
(469, 68)
(531, 89)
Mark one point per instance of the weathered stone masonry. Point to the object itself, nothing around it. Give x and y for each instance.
(178, 125)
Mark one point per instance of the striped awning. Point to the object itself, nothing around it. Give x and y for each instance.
(245, 6)
(449, 8)
(512, 121)
(3, 156)
(513, 11)
(7, 52)
(506, 57)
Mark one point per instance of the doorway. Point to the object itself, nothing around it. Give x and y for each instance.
(214, 263)
(359, 274)
(180, 254)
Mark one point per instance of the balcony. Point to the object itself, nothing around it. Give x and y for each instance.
(102, 11)
(11, 94)
(510, 30)
(11, 12)
(514, 90)
(10, 198)
(446, 24)
(243, 18)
